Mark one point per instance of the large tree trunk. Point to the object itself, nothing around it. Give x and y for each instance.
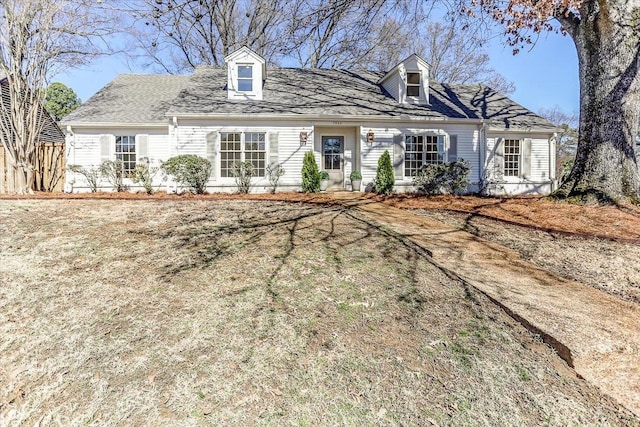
(608, 43)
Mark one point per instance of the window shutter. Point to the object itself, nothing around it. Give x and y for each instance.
(212, 139)
(498, 159)
(273, 148)
(105, 147)
(526, 158)
(398, 156)
(452, 153)
(441, 139)
(142, 148)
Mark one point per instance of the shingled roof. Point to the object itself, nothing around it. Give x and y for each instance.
(131, 99)
(293, 92)
(50, 131)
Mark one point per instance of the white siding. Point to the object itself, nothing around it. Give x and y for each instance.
(392, 85)
(539, 182)
(84, 149)
(192, 139)
(468, 147)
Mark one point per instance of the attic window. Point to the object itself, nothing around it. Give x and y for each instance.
(413, 84)
(245, 78)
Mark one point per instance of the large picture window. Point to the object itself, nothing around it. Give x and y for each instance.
(238, 147)
(126, 152)
(420, 150)
(512, 154)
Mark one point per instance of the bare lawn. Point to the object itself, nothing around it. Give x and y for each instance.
(239, 312)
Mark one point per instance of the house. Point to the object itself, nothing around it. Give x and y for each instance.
(251, 112)
(49, 154)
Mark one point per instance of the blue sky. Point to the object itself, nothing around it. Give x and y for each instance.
(546, 75)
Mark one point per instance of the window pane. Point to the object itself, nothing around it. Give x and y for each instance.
(245, 71)
(413, 78)
(245, 85)
(413, 91)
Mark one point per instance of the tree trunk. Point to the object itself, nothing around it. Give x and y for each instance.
(608, 43)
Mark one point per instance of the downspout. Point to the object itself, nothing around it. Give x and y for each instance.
(70, 144)
(482, 161)
(173, 131)
(552, 161)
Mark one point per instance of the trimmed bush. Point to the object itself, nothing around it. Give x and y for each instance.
(113, 172)
(355, 175)
(243, 172)
(384, 175)
(274, 171)
(310, 174)
(324, 176)
(448, 178)
(92, 175)
(189, 171)
(144, 173)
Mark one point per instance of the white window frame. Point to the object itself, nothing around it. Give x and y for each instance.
(226, 168)
(512, 161)
(429, 140)
(245, 79)
(127, 165)
(412, 85)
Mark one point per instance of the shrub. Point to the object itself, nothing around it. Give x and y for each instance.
(443, 178)
(310, 174)
(113, 172)
(243, 172)
(384, 174)
(189, 171)
(144, 174)
(324, 176)
(274, 172)
(355, 175)
(92, 175)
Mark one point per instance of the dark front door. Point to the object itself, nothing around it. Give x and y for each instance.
(332, 159)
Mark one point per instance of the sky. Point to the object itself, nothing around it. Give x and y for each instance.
(545, 75)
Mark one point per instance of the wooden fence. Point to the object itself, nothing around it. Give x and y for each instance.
(49, 174)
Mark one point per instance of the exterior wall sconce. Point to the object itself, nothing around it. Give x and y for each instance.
(303, 138)
(370, 137)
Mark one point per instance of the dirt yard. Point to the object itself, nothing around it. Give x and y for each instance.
(239, 312)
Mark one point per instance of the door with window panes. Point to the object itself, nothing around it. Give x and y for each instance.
(332, 159)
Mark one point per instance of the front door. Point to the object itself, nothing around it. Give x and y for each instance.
(332, 159)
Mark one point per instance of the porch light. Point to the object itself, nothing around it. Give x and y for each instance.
(370, 137)
(303, 138)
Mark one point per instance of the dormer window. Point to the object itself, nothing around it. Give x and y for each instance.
(413, 84)
(246, 74)
(245, 78)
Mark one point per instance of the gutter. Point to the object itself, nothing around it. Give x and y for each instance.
(323, 117)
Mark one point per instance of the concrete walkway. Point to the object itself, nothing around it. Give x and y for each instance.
(596, 333)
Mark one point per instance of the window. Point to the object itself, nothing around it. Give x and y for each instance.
(230, 152)
(234, 149)
(245, 78)
(413, 84)
(512, 157)
(254, 151)
(126, 152)
(420, 150)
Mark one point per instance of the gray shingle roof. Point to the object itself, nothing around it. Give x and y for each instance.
(294, 92)
(50, 131)
(131, 98)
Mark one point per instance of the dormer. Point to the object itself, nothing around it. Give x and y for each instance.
(408, 82)
(246, 73)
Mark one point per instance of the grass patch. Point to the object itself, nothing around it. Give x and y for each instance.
(254, 313)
